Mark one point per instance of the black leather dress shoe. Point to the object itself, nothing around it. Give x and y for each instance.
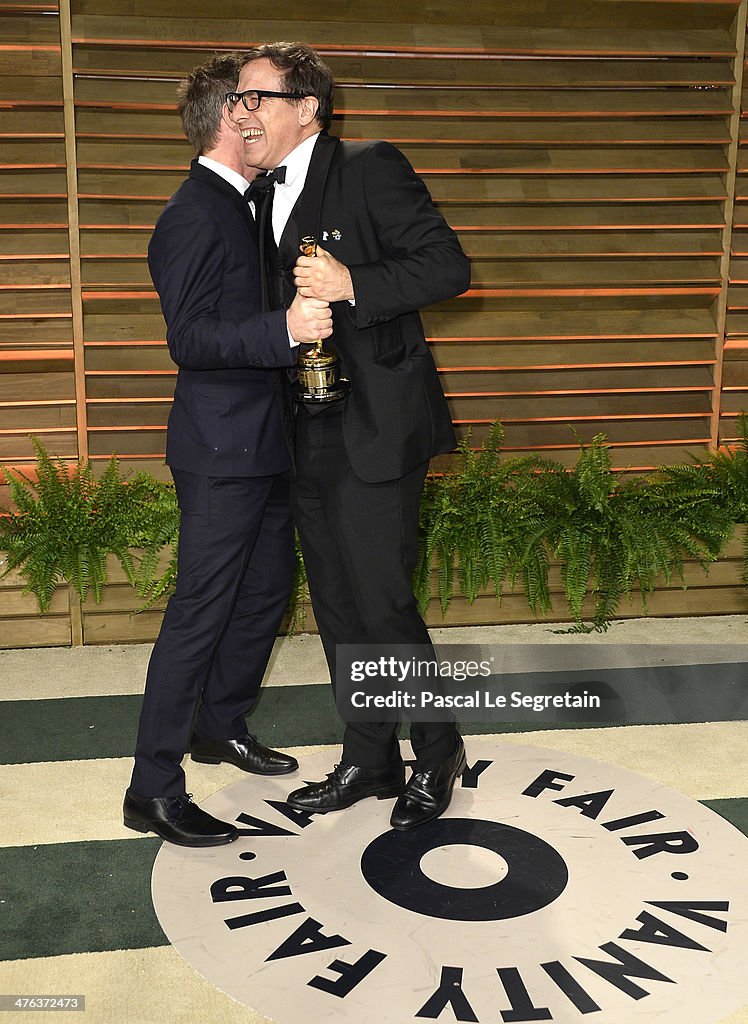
(428, 794)
(177, 819)
(246, 753)
(346, 785)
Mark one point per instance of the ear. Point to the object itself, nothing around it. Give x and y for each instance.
(308, 108)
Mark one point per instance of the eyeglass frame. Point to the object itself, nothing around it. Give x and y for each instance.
(232, 98)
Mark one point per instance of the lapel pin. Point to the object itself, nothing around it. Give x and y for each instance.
(336, 234)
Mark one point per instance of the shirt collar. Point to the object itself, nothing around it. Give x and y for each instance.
(227, 173)
(298, 160)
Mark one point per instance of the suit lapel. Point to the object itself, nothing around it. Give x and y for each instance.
(310, 206)
(306, 216)
(208, 177)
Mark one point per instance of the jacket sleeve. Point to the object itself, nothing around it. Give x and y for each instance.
(422, 261)
(186, 259)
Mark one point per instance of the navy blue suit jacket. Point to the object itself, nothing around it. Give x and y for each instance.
(229, 416)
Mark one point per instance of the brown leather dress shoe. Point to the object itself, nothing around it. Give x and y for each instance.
(177, 819)
(246, 753)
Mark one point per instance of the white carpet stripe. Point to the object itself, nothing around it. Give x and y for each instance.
(139, 986)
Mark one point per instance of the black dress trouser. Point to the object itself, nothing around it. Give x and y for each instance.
(360, 545)
(233, 583)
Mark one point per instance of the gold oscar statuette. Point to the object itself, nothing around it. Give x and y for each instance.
(319, 377)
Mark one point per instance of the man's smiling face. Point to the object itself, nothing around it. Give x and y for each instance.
(278, 125)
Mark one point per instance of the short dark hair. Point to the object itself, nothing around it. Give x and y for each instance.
(303, 71)
(201, 96)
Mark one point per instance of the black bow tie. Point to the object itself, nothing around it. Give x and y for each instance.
(264, 183)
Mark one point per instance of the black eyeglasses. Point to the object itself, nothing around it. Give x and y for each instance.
(252, 98)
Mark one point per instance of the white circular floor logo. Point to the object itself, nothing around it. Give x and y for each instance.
(556, 888)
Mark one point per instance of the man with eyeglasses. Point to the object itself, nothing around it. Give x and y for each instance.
(229, 450)
(361, 461)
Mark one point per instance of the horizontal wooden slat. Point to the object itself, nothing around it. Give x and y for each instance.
(537, 355)
(394, 36)
(484, 188)
(552, 438)
(33, 242)
(24, 28)
(174, 155)
(546, 218)
(37, 213)
(25, 183)
(563, 324)
(158, 387)
(28, 419)
(576, 380)
(116, 272)
(478, 244)
(108, 327)
(687, 15)
(37, 151)
(47, 123)
(19, 448)
(30, 91)
(128, 442)
(570, 408)
(592, 272)
(368, 69)
(121, 93)
(16, 604)
(35, 303)
(146, 124)
(630, 244)
(37, 631)
(43, 62)
(101, 214)
(25, 273)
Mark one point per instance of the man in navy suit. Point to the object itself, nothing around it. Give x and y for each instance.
(229, 452)
(361, 461)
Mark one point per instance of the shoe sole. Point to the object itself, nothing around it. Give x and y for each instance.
(382, 794)
(200, 759)
(137, 826)
(436, 814)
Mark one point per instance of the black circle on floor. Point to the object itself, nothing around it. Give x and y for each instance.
(537, 875)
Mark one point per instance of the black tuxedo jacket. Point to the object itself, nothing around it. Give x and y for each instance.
(229, 412)
(365, 205)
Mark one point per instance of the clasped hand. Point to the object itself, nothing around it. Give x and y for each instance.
(309, 319)
(323, 277)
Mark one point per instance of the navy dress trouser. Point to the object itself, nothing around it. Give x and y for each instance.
(236, 562)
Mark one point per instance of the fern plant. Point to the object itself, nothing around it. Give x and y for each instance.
(66, 524)
(500, 522)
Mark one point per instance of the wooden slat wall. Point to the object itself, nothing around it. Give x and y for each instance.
(585, 151)
(733, 376)
(580, 149)
(37, 391)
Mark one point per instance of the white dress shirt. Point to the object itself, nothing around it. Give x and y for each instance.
(227, 173)
(285, 196)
